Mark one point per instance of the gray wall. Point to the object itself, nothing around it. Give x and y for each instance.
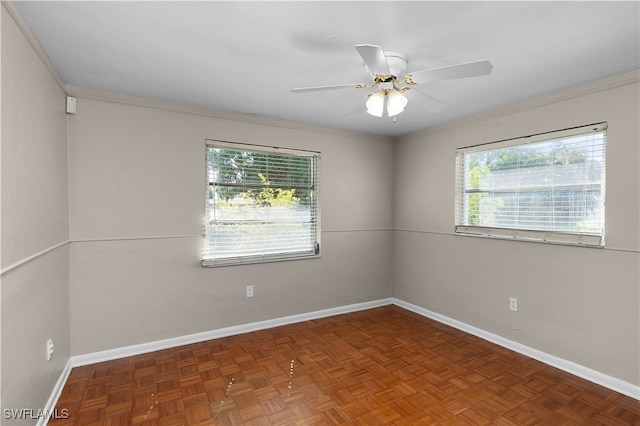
(137, 208)
(35, 293)
(580, 304)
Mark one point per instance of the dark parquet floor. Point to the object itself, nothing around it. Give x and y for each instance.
(376, 367)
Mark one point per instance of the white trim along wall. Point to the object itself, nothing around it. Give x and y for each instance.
(562, 364)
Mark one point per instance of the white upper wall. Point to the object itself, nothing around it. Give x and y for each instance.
(139, 172)
(35, 203)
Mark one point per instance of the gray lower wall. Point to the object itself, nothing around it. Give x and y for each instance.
(138, 291)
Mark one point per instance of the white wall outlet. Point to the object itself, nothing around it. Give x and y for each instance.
(249, 291)
(49, 349)
(513, 304)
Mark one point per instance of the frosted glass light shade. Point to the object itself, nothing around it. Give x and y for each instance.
(396, 102)
(375, 104)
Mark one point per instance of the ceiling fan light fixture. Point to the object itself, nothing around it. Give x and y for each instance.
(375, 103)
(390, 78)
(396, 102)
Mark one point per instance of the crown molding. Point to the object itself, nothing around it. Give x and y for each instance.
(619, 80)
(612, 82)
(35, 44)
(170, 106)
(139, 101)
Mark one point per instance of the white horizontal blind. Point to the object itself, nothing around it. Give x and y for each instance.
(262, 204)
(548, 187)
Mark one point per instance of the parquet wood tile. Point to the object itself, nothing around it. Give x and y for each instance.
(384, 366)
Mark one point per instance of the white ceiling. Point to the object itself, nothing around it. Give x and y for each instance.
(246, 56)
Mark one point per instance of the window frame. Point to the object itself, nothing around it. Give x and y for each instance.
(244, 259)
(585, 239)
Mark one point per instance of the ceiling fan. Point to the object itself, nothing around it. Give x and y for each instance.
(391, 80)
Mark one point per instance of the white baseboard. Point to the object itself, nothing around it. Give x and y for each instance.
(173, 342)
(594, 376)
(597, 377)
(55, 393)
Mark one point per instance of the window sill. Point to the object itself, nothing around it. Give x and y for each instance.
(216, 263)
(545, 237)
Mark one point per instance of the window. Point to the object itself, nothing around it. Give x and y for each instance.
(548, 187)
(261, 204)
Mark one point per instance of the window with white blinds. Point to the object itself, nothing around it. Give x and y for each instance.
(261, 204)
(548, 187)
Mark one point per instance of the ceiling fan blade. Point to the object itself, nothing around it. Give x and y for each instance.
(471, 69)
(321, 88)
(358, 109)
(375, 59)
(429, 103)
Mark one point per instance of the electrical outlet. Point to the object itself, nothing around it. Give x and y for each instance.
(249, 291)
(49, 349)
(513, 304)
